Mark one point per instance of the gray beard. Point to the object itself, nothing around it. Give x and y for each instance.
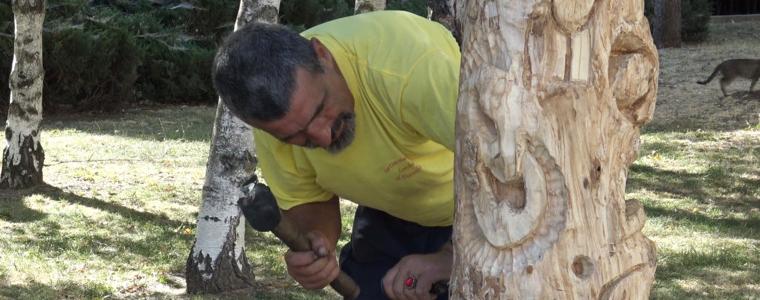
(347, 136)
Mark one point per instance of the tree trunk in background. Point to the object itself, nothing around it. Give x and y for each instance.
(23, 156)
(362, 6)
(667, 23)
(217, 261)
(552, 97)
(441, 12)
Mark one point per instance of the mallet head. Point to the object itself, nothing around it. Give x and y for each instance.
(259, 207)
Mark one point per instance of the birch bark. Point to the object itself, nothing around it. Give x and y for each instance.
(362, 6)
(23, 156)
(217, 261)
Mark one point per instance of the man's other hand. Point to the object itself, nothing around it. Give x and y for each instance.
(423, 269)
(313, 269)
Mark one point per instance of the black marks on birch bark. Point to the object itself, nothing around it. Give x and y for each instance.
(28, 6)
(224, 275)
(28, 171)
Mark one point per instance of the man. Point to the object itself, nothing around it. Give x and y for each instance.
(360, 108)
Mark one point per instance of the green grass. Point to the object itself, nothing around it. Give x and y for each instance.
(701, 193)
(117, 215)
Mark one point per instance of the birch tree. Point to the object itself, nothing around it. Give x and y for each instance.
(362, 6)
(23, 156)
(552, 97)
(217, 261)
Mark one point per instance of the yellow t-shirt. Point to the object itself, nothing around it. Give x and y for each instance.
(403, 72)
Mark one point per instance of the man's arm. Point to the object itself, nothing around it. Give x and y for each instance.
(315, 269)
(320, 216)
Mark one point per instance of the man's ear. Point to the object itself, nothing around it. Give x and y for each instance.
(323, 54)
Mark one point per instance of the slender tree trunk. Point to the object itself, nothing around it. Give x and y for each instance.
(362, 6)
(23, 156)
(552, 97)
(217, 262)
(667, 23)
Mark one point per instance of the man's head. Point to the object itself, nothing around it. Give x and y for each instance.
(273, 79)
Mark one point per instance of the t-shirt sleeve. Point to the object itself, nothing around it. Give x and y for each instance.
(287, 172)
(428, 100)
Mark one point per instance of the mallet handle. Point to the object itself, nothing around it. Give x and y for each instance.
(292, 237)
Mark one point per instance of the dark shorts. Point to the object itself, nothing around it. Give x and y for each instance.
(379, 241)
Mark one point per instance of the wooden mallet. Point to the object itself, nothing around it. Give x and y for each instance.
(260, 209)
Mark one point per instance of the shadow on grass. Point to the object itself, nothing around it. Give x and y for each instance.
(186, 123)
(13, 210)
(731, 227)
(722, 272)
(63, 290)
(47, 237)
(715, 186)
(58, 194)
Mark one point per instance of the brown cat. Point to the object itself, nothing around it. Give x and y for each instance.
(733, 68)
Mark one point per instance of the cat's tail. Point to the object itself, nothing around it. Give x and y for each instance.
(714, 73)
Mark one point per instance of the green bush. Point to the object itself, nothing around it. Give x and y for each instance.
(6, 52)
(303, 14)
(103, 54)
(418, 7)
(211, 19)
(695, 18)
(92, 69)
(176, 75)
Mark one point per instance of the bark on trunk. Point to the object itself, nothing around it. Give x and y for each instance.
(23, 156)
(217, 261)
(667, 23)
(362, 6)
(552, 97)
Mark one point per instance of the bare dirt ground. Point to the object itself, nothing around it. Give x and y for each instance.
(684, 105)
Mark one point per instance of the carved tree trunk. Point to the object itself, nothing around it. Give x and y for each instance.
(362, 6)
(667, 23)
(23, 156)
(217, 262)
(552, 97)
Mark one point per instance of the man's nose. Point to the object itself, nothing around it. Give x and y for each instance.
(320, 134)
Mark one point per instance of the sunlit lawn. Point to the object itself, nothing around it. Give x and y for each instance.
(118, 213)
(701, 192)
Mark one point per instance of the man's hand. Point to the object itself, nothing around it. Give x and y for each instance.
(314, 269)
(426, 269)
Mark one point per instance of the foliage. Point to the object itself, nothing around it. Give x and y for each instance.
(303, 14)
(102, 55)
(695, 18)
(6, 52)
(89, 69)
(418, 7)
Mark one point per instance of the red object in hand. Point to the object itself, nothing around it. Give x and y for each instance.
(410, 282)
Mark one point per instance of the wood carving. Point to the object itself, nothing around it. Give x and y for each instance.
(552, 97)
